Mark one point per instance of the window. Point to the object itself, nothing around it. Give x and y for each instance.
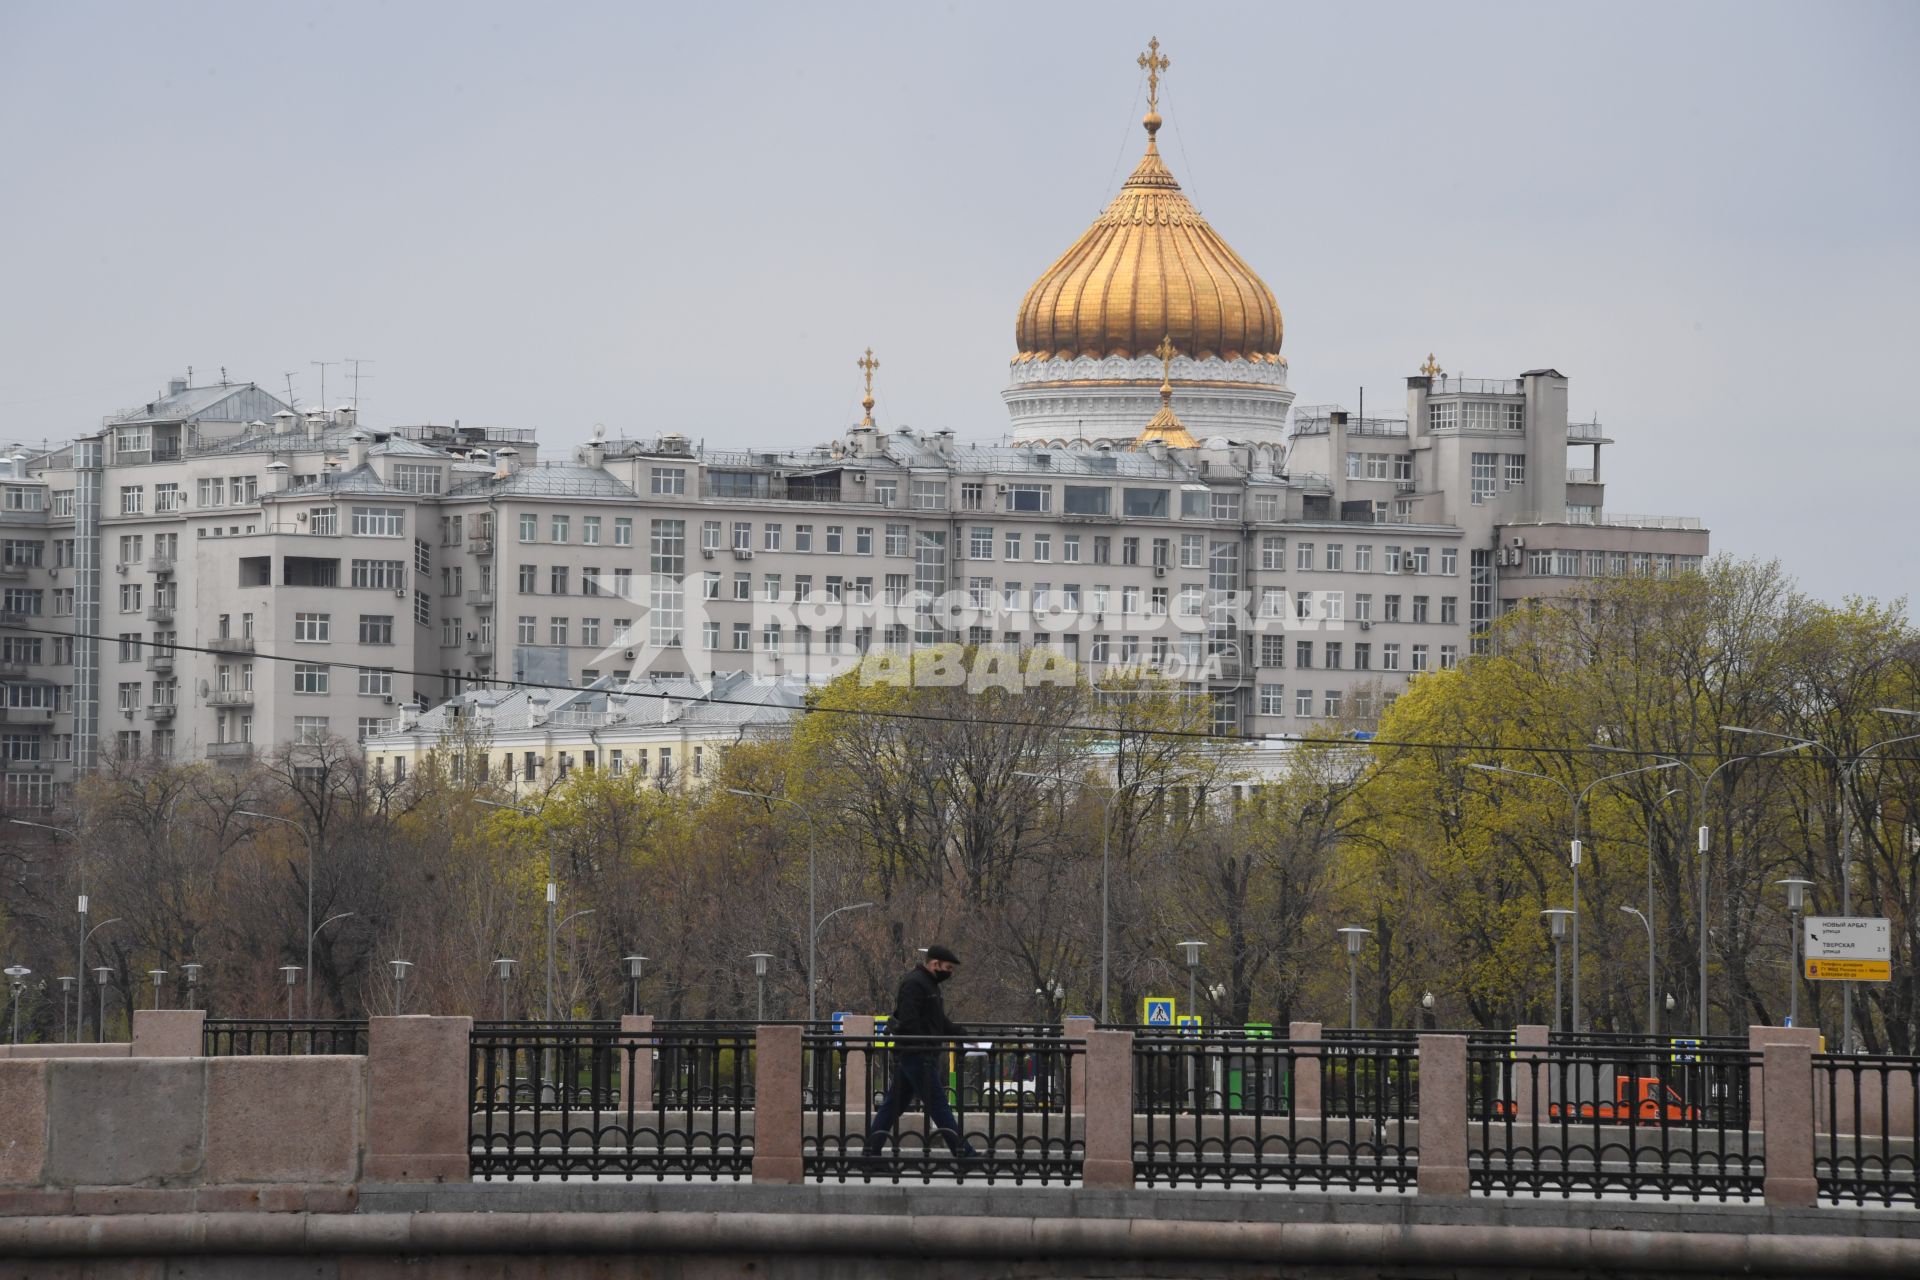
(590, 581)
(1419, 657)
(1303, 555)
(1449, 656)
(525, 628)
(1273, 700)
(1363, 606)
(133, 500)
(556, 630)
(1515, 474)
(973, 495)
(1273, 552)
(1353, 466)
(1485, 474)
(803, 537)
(309, 677)
(929, 495)
(1335, 551)
(313, 628)
(1192, 550)
(771, 538)
(1391, 560)
(742, 636)
(668, 480)
(1303, 703)
(1013, 546)
(1043, 547)
(863, 540)
(836, 538)
(622, 531)
(886, 492)
(980, 542)
(379, 522)
(557, 580)
(1144, 503)
(376, 628)
(1390, 608)
(309, 730)
(529, 528)
(1303, 654)
(1335, 654)
(1085, 500)
(1443, 417)
(1070, 548)
(1362, 655)
(385, 575)
(1390, 657)
(1450, 561)
(1332, 704)
(1449, 610)
(414, 477)
(896, 540)
(1420, 608)
(770, 586)
(1029, 497)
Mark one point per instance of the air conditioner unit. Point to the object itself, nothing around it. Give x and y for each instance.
(1519, 542)
(401, 592)
(119, 568)
(473, 635)
(706, 553)
(54, 574)
(743, 553)
(302, 517)
(387, 698)
(858, 477)
(1365, 625)
(1159, 571)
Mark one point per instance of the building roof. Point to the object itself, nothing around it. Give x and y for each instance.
(728, 702)
(223, 402)
(548, 480)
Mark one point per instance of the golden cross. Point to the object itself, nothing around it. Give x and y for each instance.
(1166, 353)
(1153, 62)
(867, 364)
(1431, 368)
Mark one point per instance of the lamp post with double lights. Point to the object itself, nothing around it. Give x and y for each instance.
(813, 849)
(553, 898)
(1796, 902)
(309, 837)
(1557, 918)
(1355, 937)
(1579, 800)
(80, 866)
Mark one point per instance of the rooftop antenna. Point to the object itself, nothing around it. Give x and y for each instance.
(189, 375)
(290, 400)
(323, 365)
(223, 375)
(357, 375)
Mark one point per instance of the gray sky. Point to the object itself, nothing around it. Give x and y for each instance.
(695, 217)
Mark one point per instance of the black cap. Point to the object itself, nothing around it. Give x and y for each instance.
(942, 953)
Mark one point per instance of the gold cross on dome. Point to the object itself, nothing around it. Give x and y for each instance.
(1166, 353)
(1153, 62)
(867, 364)
(1432, 367)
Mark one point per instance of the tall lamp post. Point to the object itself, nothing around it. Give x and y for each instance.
(503, 970)
(100, 976)
(293, 975)
(553, 898)
(1355, 938)
(1653, 1011)
(193, 980)
(67, 983)
(1107, 795)
(399, 968)
(17, 975)
(80, 986)
(1193, 967)
(308, 836)
(1850, 783)
(635, 965)
(1796, 901)
(1579, 800)
(159, 976)
(813, 847)
(760, 959)
(1557, 918)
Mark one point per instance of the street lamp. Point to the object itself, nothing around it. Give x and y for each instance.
(158, 976)
(760, 959)
(1653, 1013)
(1796, 901)
(399, 968)
(813, 844)
(1107, 795)
(1355, 938)
(1193, 966)
(1426, 1009)
(293, 975)
(309, 837)
(80, 988)
(310, 937)
(193, 979)
(17, 975)
(553, 896)
(1579, 799)
(67, 984)
(100, 977)
(503, 970)
(634, 966)
(1557, 918)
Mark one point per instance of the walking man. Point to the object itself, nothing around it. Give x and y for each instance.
(918, 1011)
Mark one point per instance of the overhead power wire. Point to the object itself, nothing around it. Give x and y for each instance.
(1203, 735)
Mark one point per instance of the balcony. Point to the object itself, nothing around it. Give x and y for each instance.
(159, 613)
(1224, 667)
(230, 698)
(26, 715)
(480, 599)
(230, 752)
(13, 572)
(12, 670)
(162, 711)
(480, 544)
(159, 564)
(1582, 475)
(160, 663)
(479, 648)
(231, 644)
(29, 766)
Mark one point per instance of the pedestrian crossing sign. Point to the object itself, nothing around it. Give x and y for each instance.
(1190, 1022)
(1157, 1011)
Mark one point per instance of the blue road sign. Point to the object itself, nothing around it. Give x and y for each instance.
(1157, 1011)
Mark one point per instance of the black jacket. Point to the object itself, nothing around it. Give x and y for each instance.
(918, 1009)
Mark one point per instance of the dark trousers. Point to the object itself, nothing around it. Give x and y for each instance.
(914, 1077)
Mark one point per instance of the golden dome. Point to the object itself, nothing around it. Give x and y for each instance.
(1149, 267)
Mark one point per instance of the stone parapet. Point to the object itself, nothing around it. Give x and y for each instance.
(419, 1115)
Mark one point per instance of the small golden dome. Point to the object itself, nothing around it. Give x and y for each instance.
(1149, 267)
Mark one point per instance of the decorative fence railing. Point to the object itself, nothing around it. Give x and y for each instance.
(280, 1037)
(1867, 1122)
(1593, 1120)
(595, 1102)
(1260, 1111)
(1015, 1102)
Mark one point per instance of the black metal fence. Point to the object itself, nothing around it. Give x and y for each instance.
(1593, 1120)
(280, 1037)
(1867, 1127)
(1284, 1112)
(590, 1102)
(1012, 1101)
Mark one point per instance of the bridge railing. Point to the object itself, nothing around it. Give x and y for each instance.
(1593, 1120)
(1015, 1103)
(1285, 1112)
(594, 1102)
(281, 1037)
(1867, 1118)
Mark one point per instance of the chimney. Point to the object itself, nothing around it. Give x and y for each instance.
(537, 708)
(316, 421)
(409, 715)
(283, 422)
(356, 451)
(347, 416)
(176, 386)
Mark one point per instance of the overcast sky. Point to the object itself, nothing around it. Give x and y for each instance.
(696, 217)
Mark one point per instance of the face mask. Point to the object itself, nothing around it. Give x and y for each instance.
(943, 975)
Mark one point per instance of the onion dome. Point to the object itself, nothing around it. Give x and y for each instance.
(1149, 268)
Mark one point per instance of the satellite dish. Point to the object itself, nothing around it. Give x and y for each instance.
(599, 431)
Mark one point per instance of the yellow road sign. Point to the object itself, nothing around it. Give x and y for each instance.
(1850, 970)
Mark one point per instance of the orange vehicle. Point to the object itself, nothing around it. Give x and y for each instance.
(1645, 1099)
